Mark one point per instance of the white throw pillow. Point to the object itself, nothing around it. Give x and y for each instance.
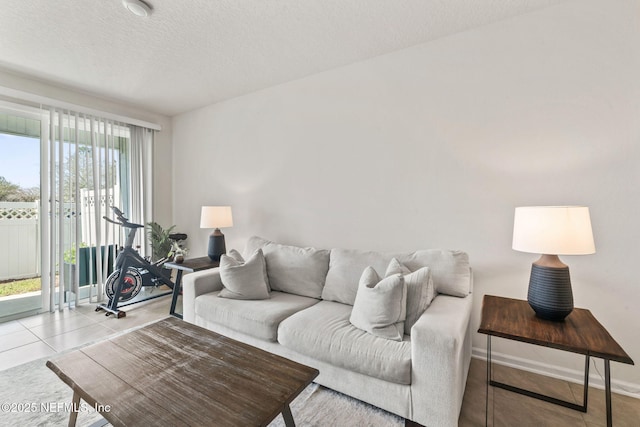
(238, 257)
(243, 280)
(420, 290)
(380, 307)
(292, 269)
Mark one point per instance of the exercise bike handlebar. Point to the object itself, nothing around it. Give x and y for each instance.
(106, 218)
(123, 222)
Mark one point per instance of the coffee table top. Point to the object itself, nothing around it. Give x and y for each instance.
(579, 332)
(174, 373)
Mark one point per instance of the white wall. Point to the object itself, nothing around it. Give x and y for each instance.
(162, 142)
(434, 146)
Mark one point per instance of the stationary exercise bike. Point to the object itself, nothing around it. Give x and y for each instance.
(132, 272)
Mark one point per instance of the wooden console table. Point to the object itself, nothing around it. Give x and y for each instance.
(188, 265)
(579, 333)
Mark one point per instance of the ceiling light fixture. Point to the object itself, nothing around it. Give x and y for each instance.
(137, 7)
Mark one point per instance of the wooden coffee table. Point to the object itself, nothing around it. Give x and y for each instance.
(174, 373)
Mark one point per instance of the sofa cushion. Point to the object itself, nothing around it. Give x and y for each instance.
(243, 280)
(380, 307)
(300, 271)
(323, 332)
(449, 270)
(257, 318)
(420, 291)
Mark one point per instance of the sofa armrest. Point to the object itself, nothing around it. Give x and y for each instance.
(440, 357)
(196, 284)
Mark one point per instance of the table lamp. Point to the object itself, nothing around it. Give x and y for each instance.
(216, 217)
(552, 231)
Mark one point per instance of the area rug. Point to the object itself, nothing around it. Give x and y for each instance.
(32, 395)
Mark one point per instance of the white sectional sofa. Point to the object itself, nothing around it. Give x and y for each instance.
(306, 318)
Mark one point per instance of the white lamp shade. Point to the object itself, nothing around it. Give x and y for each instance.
(553, 230)
(216, 217)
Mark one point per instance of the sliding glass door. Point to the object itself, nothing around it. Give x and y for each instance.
(60, 173)
(20, 214)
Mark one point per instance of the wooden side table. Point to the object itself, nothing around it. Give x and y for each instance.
(188, 265)
(580, 333)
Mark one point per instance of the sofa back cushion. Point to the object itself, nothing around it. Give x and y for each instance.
(449, 270)
(292, 269)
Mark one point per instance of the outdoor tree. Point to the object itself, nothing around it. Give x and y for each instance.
(84, 176)
(7, 189)
(10, 192)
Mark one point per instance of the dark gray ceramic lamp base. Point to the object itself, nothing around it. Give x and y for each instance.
(217, 247)
(550, 293)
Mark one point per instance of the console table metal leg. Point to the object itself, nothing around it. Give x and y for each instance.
(566, 404)
(607, 386)
(486, 402)
(174, 296)
(585, 396)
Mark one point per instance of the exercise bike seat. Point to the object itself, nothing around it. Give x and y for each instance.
(128, 224)
(178, 236)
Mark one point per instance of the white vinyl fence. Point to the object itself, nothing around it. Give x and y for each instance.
(88, 201)
(19, 240)
(20, 232)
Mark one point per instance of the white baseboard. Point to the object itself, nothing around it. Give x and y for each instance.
(596, 379)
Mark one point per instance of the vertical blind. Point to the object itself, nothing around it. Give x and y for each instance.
(92, 164)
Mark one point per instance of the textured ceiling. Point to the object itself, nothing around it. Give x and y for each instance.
(191, 53)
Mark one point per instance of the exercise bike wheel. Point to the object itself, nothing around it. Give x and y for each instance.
(131, 287)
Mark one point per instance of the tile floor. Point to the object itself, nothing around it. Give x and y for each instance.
(31, 338)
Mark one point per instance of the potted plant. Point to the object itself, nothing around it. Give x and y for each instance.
(69, 258)
(160, 241)
(178, 252)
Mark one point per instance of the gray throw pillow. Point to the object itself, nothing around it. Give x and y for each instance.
(381, 305)
(243, 280)
(420, 290)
